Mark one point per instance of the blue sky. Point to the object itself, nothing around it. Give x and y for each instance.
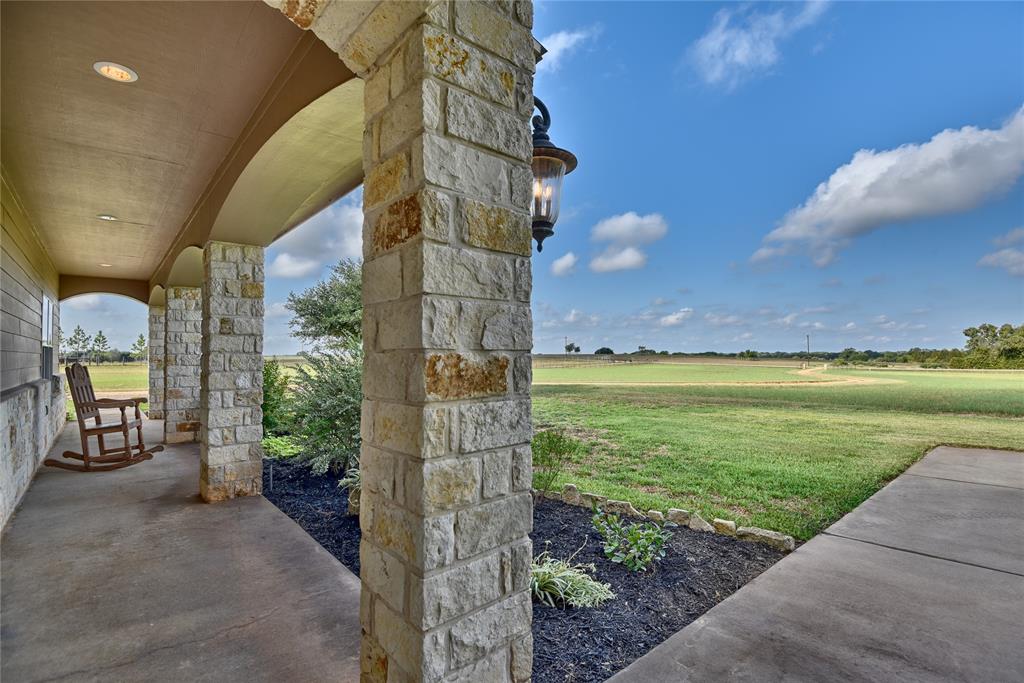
(753, 173)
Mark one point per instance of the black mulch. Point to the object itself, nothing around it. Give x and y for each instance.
(317, 504)
(579, 645)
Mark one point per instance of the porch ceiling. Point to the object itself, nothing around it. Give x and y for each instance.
(76, 145)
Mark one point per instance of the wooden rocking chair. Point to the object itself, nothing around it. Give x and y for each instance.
(88, 406)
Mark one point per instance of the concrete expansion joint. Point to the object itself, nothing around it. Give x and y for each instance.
(920, 553)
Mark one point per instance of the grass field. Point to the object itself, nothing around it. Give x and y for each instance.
(790, 458)
(756, 443)
(669, 373)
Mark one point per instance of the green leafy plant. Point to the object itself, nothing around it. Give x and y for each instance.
(275, 398)
(281, 447)
(555, 581)
(636, 545)
(552, 449)
(326, 400)
(352, 481)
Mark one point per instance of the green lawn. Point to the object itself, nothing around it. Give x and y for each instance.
(791, 458)
(669, 373)
(117, 377)
(131, 377)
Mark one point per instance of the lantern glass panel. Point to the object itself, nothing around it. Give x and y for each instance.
(548, 173)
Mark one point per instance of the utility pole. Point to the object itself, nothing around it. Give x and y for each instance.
(808, 345)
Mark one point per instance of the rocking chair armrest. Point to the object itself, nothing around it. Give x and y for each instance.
(109, 403)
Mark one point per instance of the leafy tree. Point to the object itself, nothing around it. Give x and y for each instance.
(331, 311)
(604, 351)
(100, 345)
(140, 348)
(275, 406)
(326, 399)
(79, 342)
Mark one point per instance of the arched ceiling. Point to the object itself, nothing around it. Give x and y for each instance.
(219, 84)
(158, 296)
(187, 270)
(312, 160)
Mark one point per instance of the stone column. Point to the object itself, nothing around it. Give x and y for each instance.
(157, 327)
(446, 507)
(181, 364)
(232, 381)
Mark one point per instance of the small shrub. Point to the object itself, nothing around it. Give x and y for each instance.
(275, 405)
(634, 545)
(553, 580)
(551, 451)
(281, 447)
(326, 399)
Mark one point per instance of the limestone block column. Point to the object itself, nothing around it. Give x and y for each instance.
(231, 453)
(181, 364)
(157, 327)
(446, 466)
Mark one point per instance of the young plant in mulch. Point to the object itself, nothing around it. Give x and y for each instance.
(354, 483)
(560, 582)
(636, 545)
(552, 449)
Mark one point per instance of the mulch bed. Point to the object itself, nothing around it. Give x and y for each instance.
(579, 645)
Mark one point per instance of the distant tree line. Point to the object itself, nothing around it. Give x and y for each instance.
(987, 346)
(87, 348)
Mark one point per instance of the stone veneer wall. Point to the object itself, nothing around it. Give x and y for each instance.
(232, 378)
(31, 418)
(182, 351)
(157, 328)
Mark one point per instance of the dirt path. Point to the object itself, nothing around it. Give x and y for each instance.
(807, 372)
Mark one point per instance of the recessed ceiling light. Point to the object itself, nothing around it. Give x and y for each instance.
(106, 217)
(106, 265)
(115, 72)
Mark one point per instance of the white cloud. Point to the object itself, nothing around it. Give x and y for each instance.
(286, 265)
(626, 233)
(329, 236)
(630, 229)
(618, 258)
(84, 302)
(850, 326)
(954, 171)
(732, 51)
(1010, 259)
(277, 310)
(661, 301)
(1009, 239)
(573, 316)
(746, 336)
(717, 320)
(786, 320)
(564, 265)
(677, 318)
(561, 44)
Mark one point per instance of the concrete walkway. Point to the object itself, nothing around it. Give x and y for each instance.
(128, 576)
(923, 582)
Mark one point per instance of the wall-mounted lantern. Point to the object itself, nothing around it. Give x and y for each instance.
(550, 166)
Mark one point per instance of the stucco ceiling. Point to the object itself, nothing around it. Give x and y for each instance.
(75, 145)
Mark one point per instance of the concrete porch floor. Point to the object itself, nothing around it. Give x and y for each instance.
(128, 575)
